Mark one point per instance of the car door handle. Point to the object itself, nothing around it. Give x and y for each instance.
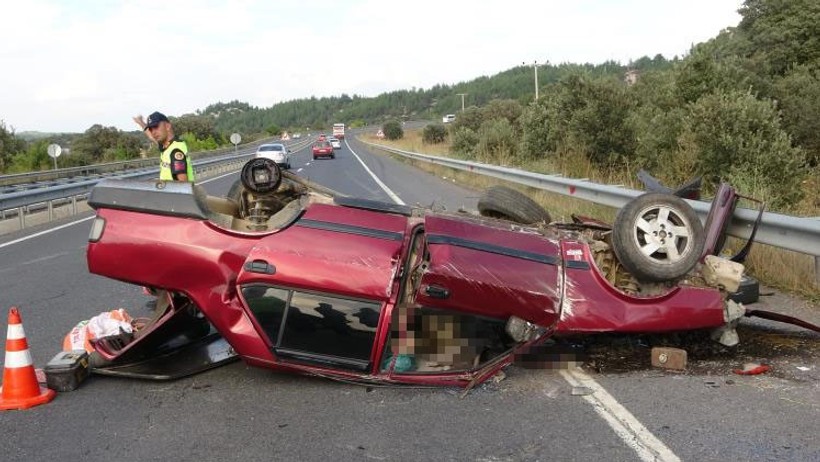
(259, 266)
(436, 292)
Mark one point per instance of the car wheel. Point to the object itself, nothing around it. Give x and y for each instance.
(314, 157)
(658, 237)
(333, 156)
(510, 204)
(748, 291)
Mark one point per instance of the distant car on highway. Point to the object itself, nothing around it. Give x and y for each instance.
(276, 152)
(335, 143)
(448, 118)
(323, 149)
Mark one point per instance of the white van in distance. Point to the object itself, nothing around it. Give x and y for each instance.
(448, 118)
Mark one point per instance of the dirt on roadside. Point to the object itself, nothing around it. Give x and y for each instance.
(791, 352)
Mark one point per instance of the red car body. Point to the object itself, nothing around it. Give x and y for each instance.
(360, 290)
(323, 149)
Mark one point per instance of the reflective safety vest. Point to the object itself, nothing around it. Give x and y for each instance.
(165, 160)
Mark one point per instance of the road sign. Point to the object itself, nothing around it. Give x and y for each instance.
(54, 150)
(236, 138)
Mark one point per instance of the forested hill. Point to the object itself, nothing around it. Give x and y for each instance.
(516, 84)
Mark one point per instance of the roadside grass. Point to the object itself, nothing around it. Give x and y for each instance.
(785, 270)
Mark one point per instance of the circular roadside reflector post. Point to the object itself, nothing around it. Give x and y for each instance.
(235, 139)
(54, 151)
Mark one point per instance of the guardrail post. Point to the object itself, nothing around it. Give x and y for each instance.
(50, 210)
(73, 205)
(817, 271)
(21, 212)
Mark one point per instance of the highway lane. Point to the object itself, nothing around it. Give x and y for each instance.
(240, 412)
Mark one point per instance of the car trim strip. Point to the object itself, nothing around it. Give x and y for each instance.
(491, 248)
(576, 264)
(350, 229)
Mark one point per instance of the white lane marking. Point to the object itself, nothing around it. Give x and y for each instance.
(379, 182)
(23, 239)
(625, 425)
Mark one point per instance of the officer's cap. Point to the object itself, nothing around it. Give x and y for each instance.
(154, 119)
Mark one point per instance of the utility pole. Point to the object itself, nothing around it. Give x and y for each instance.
(535, 68)
(462, 99)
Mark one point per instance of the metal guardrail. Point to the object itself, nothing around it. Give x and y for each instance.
(784, 231)
(96, 169)
(20, 202)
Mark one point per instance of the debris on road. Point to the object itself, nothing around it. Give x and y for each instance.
(669, 358)
(752, 369)
(67, 370)
(582, 391)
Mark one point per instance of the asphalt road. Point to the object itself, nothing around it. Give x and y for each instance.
(625, 409)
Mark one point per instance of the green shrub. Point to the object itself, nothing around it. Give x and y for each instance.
(738, 138)
(434, 133)
(496, 141)
(537, 129)
(392, 130)
(464, 143)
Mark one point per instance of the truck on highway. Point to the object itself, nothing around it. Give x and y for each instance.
(339, 131)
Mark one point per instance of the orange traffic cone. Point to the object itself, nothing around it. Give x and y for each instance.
(20, 389)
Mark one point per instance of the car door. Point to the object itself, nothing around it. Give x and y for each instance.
(316, 291)
(491, 269)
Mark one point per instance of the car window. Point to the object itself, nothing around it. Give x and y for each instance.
(330, 326)
(314, 324)
(271, 147)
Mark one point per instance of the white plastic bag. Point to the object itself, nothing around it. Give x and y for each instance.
(104, 324)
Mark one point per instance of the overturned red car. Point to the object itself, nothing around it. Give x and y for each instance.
(289, 275)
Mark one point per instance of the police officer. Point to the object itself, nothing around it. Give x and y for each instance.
(174, 163)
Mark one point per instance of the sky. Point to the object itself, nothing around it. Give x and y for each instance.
(66, 65)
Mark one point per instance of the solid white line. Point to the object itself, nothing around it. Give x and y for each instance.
(51, 230)
(379, 182)
(625, 425)
(22, 239)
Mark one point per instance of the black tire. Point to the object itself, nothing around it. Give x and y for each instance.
(510, 204)
(642, 241)
(748, 292)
